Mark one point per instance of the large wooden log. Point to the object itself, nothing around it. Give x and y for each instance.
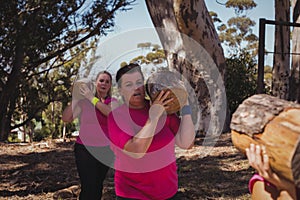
(274, 123)
(167, 81)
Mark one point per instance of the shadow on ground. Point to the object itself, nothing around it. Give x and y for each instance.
(48, 174)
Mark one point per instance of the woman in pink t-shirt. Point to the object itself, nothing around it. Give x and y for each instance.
(92, 152)
(266, 184)
(143, 138)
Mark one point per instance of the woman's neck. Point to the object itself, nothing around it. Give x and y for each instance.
(102, 96)
(137, 106)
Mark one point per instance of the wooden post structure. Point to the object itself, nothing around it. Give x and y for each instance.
(261, 49)
(272, 122)
(261, 54)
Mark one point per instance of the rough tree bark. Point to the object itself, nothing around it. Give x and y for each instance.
(193, 49)
(295, 69)
(281, 62)
(274, 123)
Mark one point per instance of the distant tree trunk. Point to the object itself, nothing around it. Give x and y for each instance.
(30, 131)
(7, 102)
(281, 63)
(295, 69)
(193, 49)
(64, 132)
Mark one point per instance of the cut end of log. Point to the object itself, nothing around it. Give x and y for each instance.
(275, 124)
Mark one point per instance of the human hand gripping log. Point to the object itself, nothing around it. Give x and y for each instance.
(86, 92)
(160, 105)
(268, 125)
(81, 87)
(170, 83)
(270, 186)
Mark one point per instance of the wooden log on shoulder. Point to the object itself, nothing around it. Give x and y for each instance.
(272, 122)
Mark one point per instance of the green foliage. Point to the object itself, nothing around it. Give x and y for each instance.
(268, 79)
(13, 138)
(43, 44)
(237, 33)
(240, 81)
(123, 64)
(155, 54)
(215, 17)
(41, 134)
(241, 5)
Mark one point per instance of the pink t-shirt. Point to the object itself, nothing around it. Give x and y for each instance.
(153, 176)
(93, 124)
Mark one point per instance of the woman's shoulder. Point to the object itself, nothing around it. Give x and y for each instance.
(119, 109)
(110, 99)
(119, 114)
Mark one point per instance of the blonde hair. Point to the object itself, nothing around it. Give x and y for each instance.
(110, 77)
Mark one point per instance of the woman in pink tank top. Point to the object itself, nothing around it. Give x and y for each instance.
(92, 152)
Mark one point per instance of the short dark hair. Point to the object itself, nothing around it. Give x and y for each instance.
(132, 67)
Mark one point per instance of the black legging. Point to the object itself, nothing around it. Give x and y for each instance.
(92, 172)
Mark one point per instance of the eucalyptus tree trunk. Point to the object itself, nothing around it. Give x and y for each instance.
(193, 49)
(281, 62)
(295, 71)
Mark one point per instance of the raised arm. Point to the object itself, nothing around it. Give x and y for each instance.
(138, 145)
(106, 108)
(186, 134)
(71, 111)
(102, 107)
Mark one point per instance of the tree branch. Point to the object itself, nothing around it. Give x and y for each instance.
(91, 34)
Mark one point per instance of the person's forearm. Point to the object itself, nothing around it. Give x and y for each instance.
(186, 134)
(289, 187)
(140, 143)
(104, 108)
(70, 112)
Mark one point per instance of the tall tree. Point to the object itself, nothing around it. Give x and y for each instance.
(237, 33)
(187, 34)
(295, 68)
(38, 36)
(281, 61)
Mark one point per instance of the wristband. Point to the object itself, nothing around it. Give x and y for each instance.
(186, 110)
(94, 101)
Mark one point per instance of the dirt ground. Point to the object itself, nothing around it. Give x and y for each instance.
(46, 170)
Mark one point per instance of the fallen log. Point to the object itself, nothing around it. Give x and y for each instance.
(272, 122)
